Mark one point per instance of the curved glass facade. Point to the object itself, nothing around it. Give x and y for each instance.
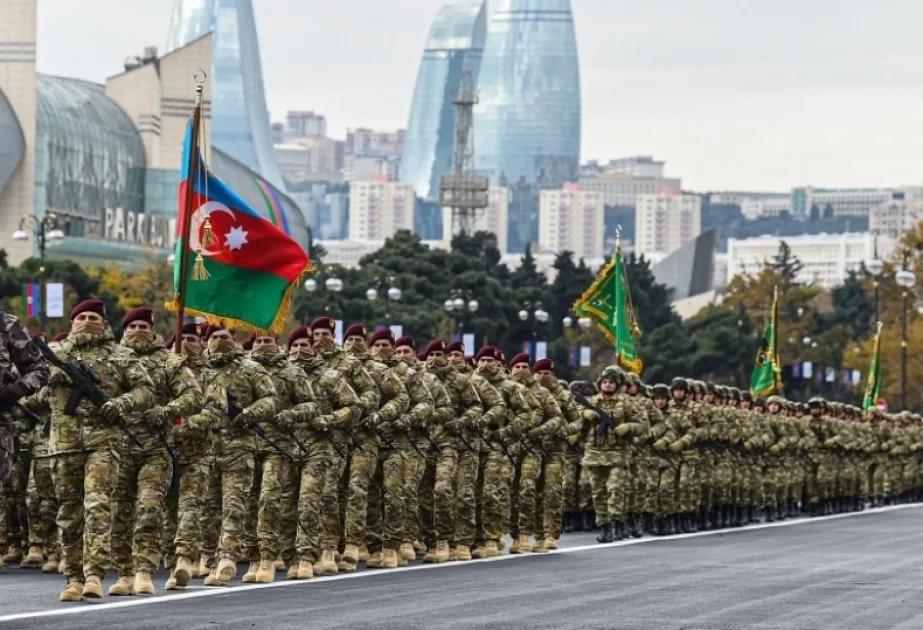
(455, 43)
(240, 118)
(527, 122)
(88, 153)
(12, 141)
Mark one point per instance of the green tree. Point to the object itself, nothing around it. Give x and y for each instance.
(726, 345)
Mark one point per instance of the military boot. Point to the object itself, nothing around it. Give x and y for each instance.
(292, 573)
(203, 570)
(73, 592)
(13, 555)
(183, 571)
(606, 534)
(620, 531)
(568, 523)
(250, 575)
(770, 514)
(305, 570)
(123, 587)
(672, 525)
(266, 573)
(589, 520)
(634, 525)
(550, 544)
(363, 553)
(521, 544)
(51, 565)
(93, 587)
(419, 548)
(143, 584)
(660, 526)
(34, 559)
(539, 546)
(170, 584)
(389, 558)
(374, 561)
(479, 553)
(213, 579)
(227, 570)
(406, 552)
(328, 563)
(279, 563)
(491, 549)
(462, 553)
(439, 554)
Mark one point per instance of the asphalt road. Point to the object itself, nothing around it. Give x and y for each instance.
(850, 572)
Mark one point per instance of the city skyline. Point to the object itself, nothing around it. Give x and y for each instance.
(826, 94)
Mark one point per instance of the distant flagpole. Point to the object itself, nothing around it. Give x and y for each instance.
(187, 219)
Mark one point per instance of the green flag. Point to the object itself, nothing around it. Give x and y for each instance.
(608, 302)
(873, 387)
(767, 372)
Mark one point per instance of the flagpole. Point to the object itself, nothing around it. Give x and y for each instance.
(187, 218)
(777, 361)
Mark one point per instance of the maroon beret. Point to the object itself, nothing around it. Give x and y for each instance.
(61, 336)
(356, 330)
(169, 341)
(193, 329)
(384, 333)
(302, 332)
(140, 314)
(89, 306)
(456, 346)
(522, 357)
(248, 344)
(210, 330)
(543, 364)
(487, 352)
(324, 322)
(406, 340)
(421, 356)
(436, 345)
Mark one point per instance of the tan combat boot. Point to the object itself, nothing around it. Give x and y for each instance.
(185, 568)
(419, 548)
(453, 554)
(351, 554)
(170, 584)
(93, 588)
(344, 566)
(328, 563)
(550, 544)
(374, 561)
(73, 592)
(491, 549)
(292, 571)
(123, 587)
(250, 575)
(51, 565)
(539, 547)
(143, 584)
(279, 563)
(463, 553)
(305, 570)
(213, 579)
(524, 545)
(406, 552)
(266, 574)
(34, 559)
(479, 553)
(13, 555)
(501, 544)
(389, 559)
(203, 569)
(363, 553)
(227, 570)
(514, 548)
(439, 554)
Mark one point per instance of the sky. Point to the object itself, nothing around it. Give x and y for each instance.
(732, 95)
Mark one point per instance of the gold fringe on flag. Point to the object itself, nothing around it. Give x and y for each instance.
(208, 235)
(199, 272)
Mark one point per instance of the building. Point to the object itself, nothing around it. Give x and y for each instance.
(663, 222)
(365, 141)
(621, 187)
(527, 120)
(311, 159)
(636, 166)
(366, 167)
(571, 219)
(379, 208)
(765, 207)
(300, 124)
(841, 202)
(893, 218)
(240, 121)
(454, 45)
(494, 218)
(826, 258)
(326, 211)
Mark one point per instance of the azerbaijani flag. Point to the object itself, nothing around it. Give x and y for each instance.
(31, 299)
(241, 268)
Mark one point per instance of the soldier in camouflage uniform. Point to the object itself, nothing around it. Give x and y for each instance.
(644, 461)
(678, 482)
(145, 473)
(339, 408)
(822, 474)
(578, 495)
(275, 506)
(248, 385)
(397, 462)
(13, 510)
(394, 401)
(88, 446)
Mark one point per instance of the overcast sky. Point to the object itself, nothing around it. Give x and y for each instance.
(738, 95)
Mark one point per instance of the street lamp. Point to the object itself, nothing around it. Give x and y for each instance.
(538, 314)
(331, 285)
(47, 234)
(461, 307)
(393, 294)
(875, 267)
(905, 279)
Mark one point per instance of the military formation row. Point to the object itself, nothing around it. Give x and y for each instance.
(313, 458)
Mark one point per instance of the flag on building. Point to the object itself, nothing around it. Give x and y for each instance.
(767, 372)
(242, 268)
(608, 302)
(873, 386)
(31, 298)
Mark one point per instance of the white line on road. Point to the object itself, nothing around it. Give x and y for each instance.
(78, 609)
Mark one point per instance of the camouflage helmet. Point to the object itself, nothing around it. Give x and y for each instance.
(775, 399)
(711, 388)
(745, 394)
(679, 383)
(660, 389)
(734, 393)
(582, 388)
(759, 401)
(701, 387)
(632, 379)
(817, 402)
(611, 372)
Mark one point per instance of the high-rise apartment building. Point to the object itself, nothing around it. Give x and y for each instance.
(893, 218)
(843, 202)
(665, 221)
(363, 141)
(620, 181)
(379, 208)
(571, 219)
(304, 123)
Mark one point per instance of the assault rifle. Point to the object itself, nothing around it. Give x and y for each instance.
(234, 411)
(9, 378)
(86, 385)
(606, 422)
(490, 445)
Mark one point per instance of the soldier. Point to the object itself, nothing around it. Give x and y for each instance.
(455, 355)
(145, 472)
(819, 482)
(339, 408)
(87, 445)
(578, 495)
(251, 399)
(362, 465)
(276, 489)
(678, 486)
(644, 461)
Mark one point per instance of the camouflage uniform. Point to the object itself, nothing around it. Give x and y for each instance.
(548, 442)
(676, 494)
(235, 440)
(88, 450)
(554, 507)
(419, 525)
(41, 504)
(145, 473)
(528, 461)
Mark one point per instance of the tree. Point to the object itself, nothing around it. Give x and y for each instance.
(815, 213)
(726, 345)
(851, 307)
(786, 265)
(828, 211)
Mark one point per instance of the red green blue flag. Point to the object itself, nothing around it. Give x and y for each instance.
(31, 299)
(242, 269)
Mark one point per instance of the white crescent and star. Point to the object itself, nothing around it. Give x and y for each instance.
(235, 239)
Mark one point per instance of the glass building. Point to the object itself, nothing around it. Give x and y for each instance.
(455, 44)
(240, 118)
(527, 121)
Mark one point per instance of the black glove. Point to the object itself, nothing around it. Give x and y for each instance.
(11, 394)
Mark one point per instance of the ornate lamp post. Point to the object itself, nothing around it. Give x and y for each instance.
(905, 279)
(47, 234)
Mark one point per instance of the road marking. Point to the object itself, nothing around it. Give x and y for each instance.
(78, 609)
